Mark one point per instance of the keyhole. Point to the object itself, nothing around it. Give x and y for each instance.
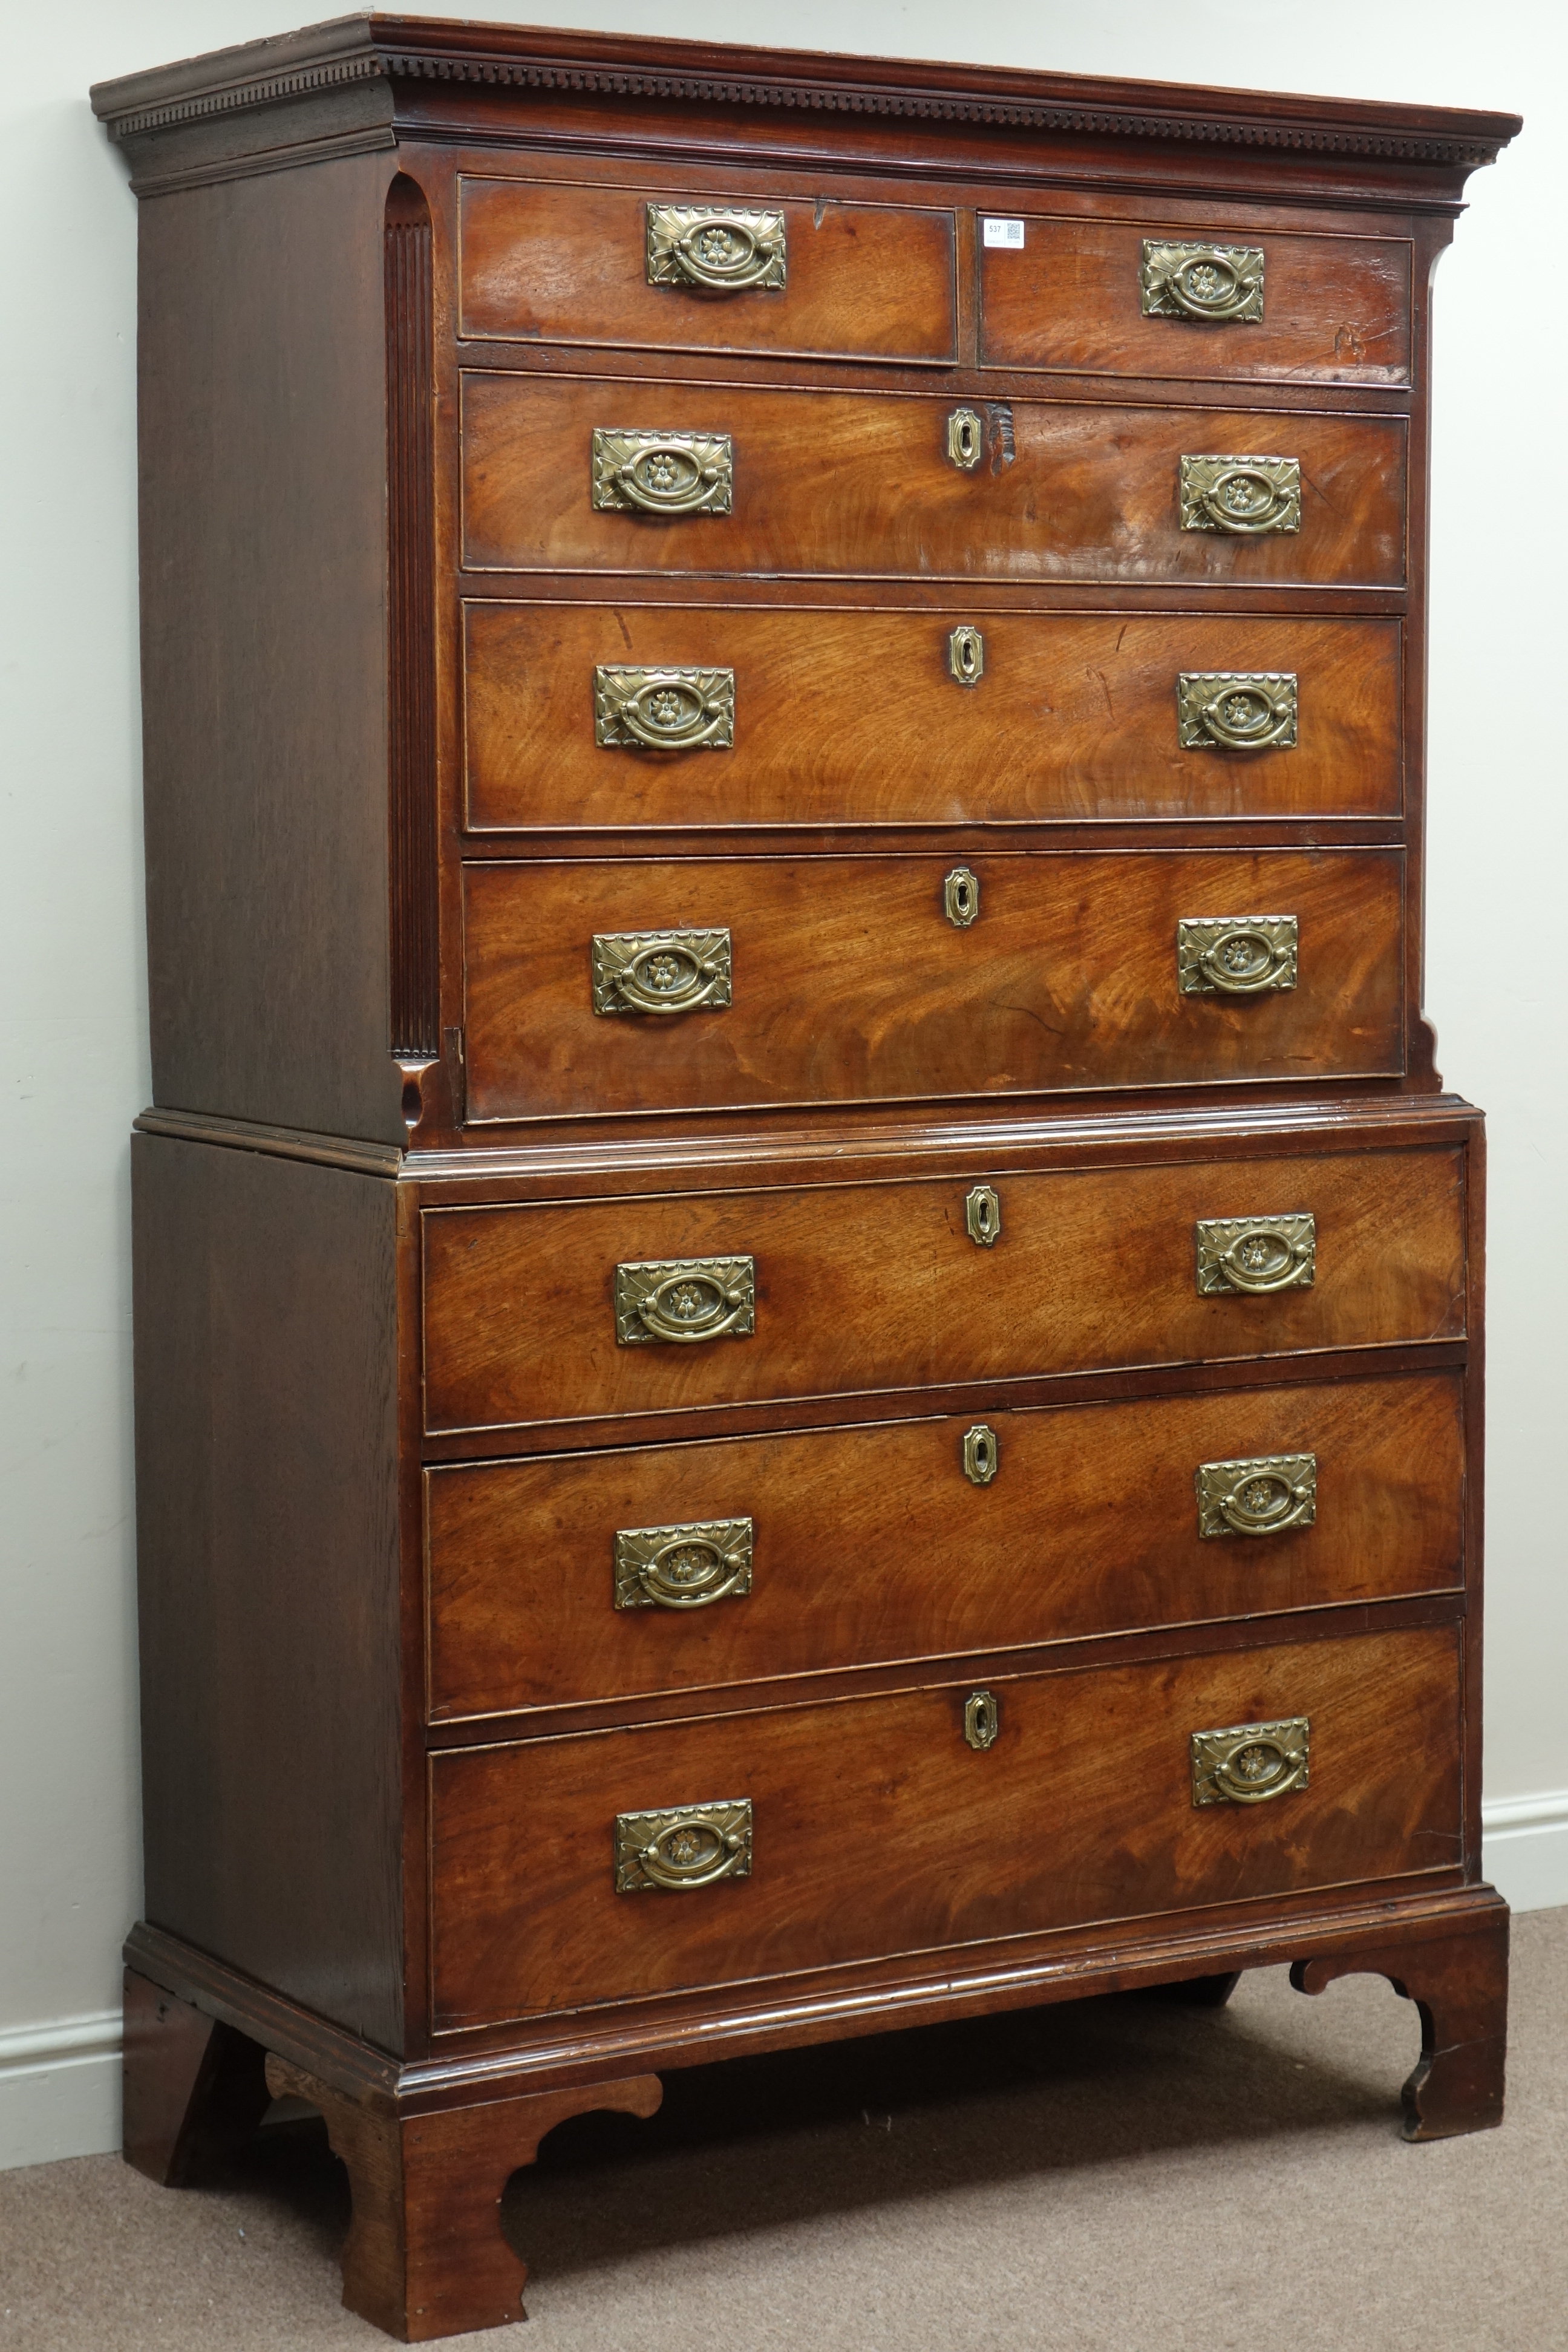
(961, 897)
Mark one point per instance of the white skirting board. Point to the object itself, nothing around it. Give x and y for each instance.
(60, 2082)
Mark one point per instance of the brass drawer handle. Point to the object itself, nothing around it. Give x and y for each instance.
(1261, 1497)
(717, 248)
(664, 710)
(967, 654)
(1234, 955)
(685, 1299)
(683, 1568)
(1250, 1762)
(1257, 1253)
(662, 473)
(1236, 711)
(661, 971)
(693, 1845)
(1246, 496)
(965, 439)
(982, 1455)
(981, 1720)
(1216, 285)
(961, 897)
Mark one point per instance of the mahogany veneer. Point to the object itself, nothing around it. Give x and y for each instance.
(538, 1694)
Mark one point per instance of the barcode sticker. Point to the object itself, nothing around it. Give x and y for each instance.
(1004, 232)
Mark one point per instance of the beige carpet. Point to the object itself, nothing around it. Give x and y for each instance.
(1109, 2176)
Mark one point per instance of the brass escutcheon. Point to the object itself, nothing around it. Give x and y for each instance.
(1236, 711)
(982, 1455)
(1234, 955)
(981, 1720)
(1263, 1496)
(983, 1216)
(1257, 1253)
(663, 709)
(686, 1567)
(716, 248)
(1247, 498)
(1250, 1762)
(662, 473)
(967, 654)
(687, 1847)
(961, 897)
(661, 971)
(1214, 285)
(683, 1300)
(965, 439)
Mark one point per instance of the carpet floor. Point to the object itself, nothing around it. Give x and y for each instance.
(1120, 2174)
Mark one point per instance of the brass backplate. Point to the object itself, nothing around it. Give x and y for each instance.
(982, 1452)
(1236, 711)
(685, 1299)
(664, 710)
(683, 1568)
(961, 897)
(1263, 1496)
(1257, 1253)
(1234, 955)
(1216, 285)
(671, 474)
(1249, 1762)
(716, 248)
(688, 1846)
(981, 1720)
(661, 971)
(1248, 497)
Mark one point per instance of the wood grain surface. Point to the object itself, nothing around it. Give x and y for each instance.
(851, 985)
(877, 1829)
(1336, 310)
(859, 483)
(855, 718)
(871, 1544)
(545, 260)
(871, 1287)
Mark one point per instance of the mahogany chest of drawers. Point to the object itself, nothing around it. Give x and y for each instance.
(808, 1315)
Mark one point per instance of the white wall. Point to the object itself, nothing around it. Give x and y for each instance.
(70, 869)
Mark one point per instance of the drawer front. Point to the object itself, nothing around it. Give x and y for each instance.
(854, 718)
(1301, 309)
(877, 1828)
(861, 484)
(675, 1567)
(544, 262)
(850, 981)
(863, 1287)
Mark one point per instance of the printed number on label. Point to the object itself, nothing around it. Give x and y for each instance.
(1004, 232)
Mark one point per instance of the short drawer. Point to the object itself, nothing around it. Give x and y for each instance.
(674, 1567)
(545, 261)
(897, 979)
(865, 1287)
(874, 1826)
(864, 485)
(1139, 297)
(864, 717)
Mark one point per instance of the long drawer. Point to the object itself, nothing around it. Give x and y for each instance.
(874, 1826)
(861, 484)
(853, 718)
(865, 1287)
(882, 978)
(672, 1567)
